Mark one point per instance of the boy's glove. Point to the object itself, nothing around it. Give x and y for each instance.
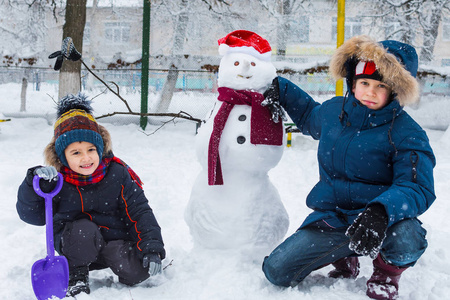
(68, 51)
(47, 173)
(153, 262)
(368, 231)
(272, 101)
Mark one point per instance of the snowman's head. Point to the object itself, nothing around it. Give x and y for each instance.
(246, 62)
(245, 72)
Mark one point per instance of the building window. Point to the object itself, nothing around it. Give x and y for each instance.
(299, 30)
(117, 32)
(352, 28)
(446, 29)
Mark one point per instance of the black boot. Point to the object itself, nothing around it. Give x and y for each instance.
(78, 281)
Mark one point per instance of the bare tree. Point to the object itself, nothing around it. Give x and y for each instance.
(23, 26)
(181, 11)
(406, 20)
(283, 11)
(23, 29)
(75, 20)
(182, 18)
(397, 18)
(430, 17)
(33, 28)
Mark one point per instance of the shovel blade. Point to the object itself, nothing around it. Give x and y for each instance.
(50, 277)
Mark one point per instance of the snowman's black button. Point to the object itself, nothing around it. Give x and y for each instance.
(242, 118)
(240, 139)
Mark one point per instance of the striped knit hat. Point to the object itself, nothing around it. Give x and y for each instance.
(75, 123)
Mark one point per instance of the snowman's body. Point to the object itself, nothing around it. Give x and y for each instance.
(246, 212)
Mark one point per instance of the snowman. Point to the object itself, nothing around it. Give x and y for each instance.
(233, 204)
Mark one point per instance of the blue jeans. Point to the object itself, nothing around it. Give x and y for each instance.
(316, 246)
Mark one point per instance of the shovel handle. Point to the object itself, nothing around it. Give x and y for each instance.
(48, 211)
(51, 194)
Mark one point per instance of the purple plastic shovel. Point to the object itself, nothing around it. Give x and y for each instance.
(49, 276)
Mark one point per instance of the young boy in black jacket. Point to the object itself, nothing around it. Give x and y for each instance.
(101, 216)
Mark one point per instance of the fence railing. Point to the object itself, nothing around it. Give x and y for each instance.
(195, 91)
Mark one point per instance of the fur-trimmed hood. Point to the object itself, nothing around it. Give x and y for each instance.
(396, 62)
(51, 158)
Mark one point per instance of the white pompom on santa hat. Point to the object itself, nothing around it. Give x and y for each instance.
(244, 41)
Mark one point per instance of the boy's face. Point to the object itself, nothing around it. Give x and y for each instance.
(82, 157)
(372, 93)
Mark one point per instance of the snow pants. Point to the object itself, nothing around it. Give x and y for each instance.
(83, 245)
(314, 246)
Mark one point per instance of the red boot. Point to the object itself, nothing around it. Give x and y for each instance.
(383, 285)
(347, 267)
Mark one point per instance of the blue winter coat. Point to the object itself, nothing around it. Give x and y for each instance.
(365, 157)
(116, 204)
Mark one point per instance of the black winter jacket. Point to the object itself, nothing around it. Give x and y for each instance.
(116, 204)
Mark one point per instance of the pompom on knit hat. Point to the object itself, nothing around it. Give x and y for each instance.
(75, 123)
(244, 41)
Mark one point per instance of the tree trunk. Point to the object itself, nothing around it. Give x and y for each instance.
(178, 43)
(408, 35)
(168, 90)
(23, 95)
(93, 47)
(430, 35)
(70, 74)
(283, 28)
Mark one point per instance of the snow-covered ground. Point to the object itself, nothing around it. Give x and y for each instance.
(166, 162)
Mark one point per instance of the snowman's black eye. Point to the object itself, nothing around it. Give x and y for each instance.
(240, 139)
(253, 64)
(236, 63)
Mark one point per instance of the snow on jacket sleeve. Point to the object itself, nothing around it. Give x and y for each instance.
(30, 206)
(146, 229)
(412, 191)
(302, 109)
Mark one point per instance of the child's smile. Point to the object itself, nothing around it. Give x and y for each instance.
(86, 166)
(82, 157)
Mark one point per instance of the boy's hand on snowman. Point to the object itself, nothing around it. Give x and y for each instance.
(272, 94)
(153, 262)
(368, 231)
(272, 102)
(47, 173)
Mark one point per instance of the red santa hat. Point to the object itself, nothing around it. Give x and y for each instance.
(243, 41)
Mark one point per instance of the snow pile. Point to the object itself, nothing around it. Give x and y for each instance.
(166, 162)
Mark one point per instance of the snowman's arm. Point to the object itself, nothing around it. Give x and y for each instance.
(301, 107)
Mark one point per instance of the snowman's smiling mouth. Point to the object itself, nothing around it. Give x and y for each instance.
(246, 77)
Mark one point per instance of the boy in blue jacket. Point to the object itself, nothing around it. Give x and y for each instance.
(101, 216)
(375, 165)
